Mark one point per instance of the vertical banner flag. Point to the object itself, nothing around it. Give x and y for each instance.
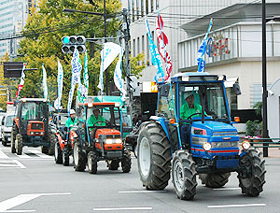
(57, 102)
(76, 72)
(163, 41)
(86, 84)
(118, 75)
(45, 86)
(21, 80)
(109, 52)
(202, 50)
(155, 56)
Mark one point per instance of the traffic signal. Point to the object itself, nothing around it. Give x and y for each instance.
(70, 43)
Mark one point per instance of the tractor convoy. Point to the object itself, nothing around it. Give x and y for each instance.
(190, 137)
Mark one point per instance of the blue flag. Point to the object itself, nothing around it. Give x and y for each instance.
(202, 50)
(155, 56)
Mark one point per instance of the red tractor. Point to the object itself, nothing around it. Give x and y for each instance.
(99, 138)
(63, 147)
(31, 126)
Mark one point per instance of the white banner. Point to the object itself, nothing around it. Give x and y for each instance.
(118, 75)
(108, 54)
(57, 102)
(76, 72)
(45, 87)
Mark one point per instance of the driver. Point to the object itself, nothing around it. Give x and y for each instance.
(96, 119)
(188, 109)
(72, 120)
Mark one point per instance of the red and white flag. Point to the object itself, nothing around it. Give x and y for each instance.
(163, 41)
(21, 80)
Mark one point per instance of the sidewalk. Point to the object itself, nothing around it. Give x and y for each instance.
(273, 152)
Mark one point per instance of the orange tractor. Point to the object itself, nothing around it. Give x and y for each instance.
(31, 126)
(98, 137)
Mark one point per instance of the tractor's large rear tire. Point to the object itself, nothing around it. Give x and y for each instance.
(57, 153)
(79, 157)
(184, 175)
(215, 180)
(19, 144)
(154, 156)
(126, 162)
(13, 139)
(252, 174)
(92, 162)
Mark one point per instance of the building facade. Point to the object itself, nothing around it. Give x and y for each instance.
(235, 45)
(234, 49)
(13, 17)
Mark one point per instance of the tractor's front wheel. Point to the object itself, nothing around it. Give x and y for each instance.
(126, 162)
(184, 175)
(113, 164)
(92, 162)
(154, 156)
(214, 180)
(57, 153)
(19, 144)
(51, 140)
(79, 157)
(65, 156)
(252, 172)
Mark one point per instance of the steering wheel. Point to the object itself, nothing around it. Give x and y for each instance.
(197, 113)
(98, 122)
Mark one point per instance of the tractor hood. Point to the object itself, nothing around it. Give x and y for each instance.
(214, 126)
(107, 132)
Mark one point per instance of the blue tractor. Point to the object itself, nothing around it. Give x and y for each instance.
(204, 144)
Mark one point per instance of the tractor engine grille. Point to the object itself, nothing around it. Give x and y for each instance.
(37, 126)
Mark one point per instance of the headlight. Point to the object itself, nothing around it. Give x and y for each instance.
(113, 141)
(42, 133)
(207, 146)
(32, 133)
(245, 145)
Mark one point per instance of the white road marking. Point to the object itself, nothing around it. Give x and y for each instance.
(123, 208)
(3, 155)
(21, 199)
(226, 189)
(23, 155)
(146, 191)
(19, 211)
(238, 205)
(19, 164)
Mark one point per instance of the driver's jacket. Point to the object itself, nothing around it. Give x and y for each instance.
(186, 111)
(93, 121)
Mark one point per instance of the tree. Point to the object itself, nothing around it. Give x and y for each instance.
(42, 42)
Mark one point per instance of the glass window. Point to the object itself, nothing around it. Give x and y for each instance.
(208, 96)
(34, 110)
(9, 121)
(166, 106)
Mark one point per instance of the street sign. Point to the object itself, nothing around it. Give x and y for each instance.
(12, 69)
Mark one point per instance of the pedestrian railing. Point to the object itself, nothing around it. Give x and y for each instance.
(265, 142)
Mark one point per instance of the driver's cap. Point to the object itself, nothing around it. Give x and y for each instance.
(72, 111)
(188, 94)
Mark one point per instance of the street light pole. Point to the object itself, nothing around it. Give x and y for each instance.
(264, 79)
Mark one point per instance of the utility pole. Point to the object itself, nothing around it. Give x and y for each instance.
(127, 60)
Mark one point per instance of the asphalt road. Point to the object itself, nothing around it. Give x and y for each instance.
(34, 183)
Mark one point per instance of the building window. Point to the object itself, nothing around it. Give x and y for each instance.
(148, 51)
(157, 4)
(143, 44)
(142, 8)
(147, 6)
(133, 48)
(138, 45)
(133, 11)
(256, 97)
(137, 9)
(152, 5)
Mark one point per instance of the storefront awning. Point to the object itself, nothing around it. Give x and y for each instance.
(230, 81)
